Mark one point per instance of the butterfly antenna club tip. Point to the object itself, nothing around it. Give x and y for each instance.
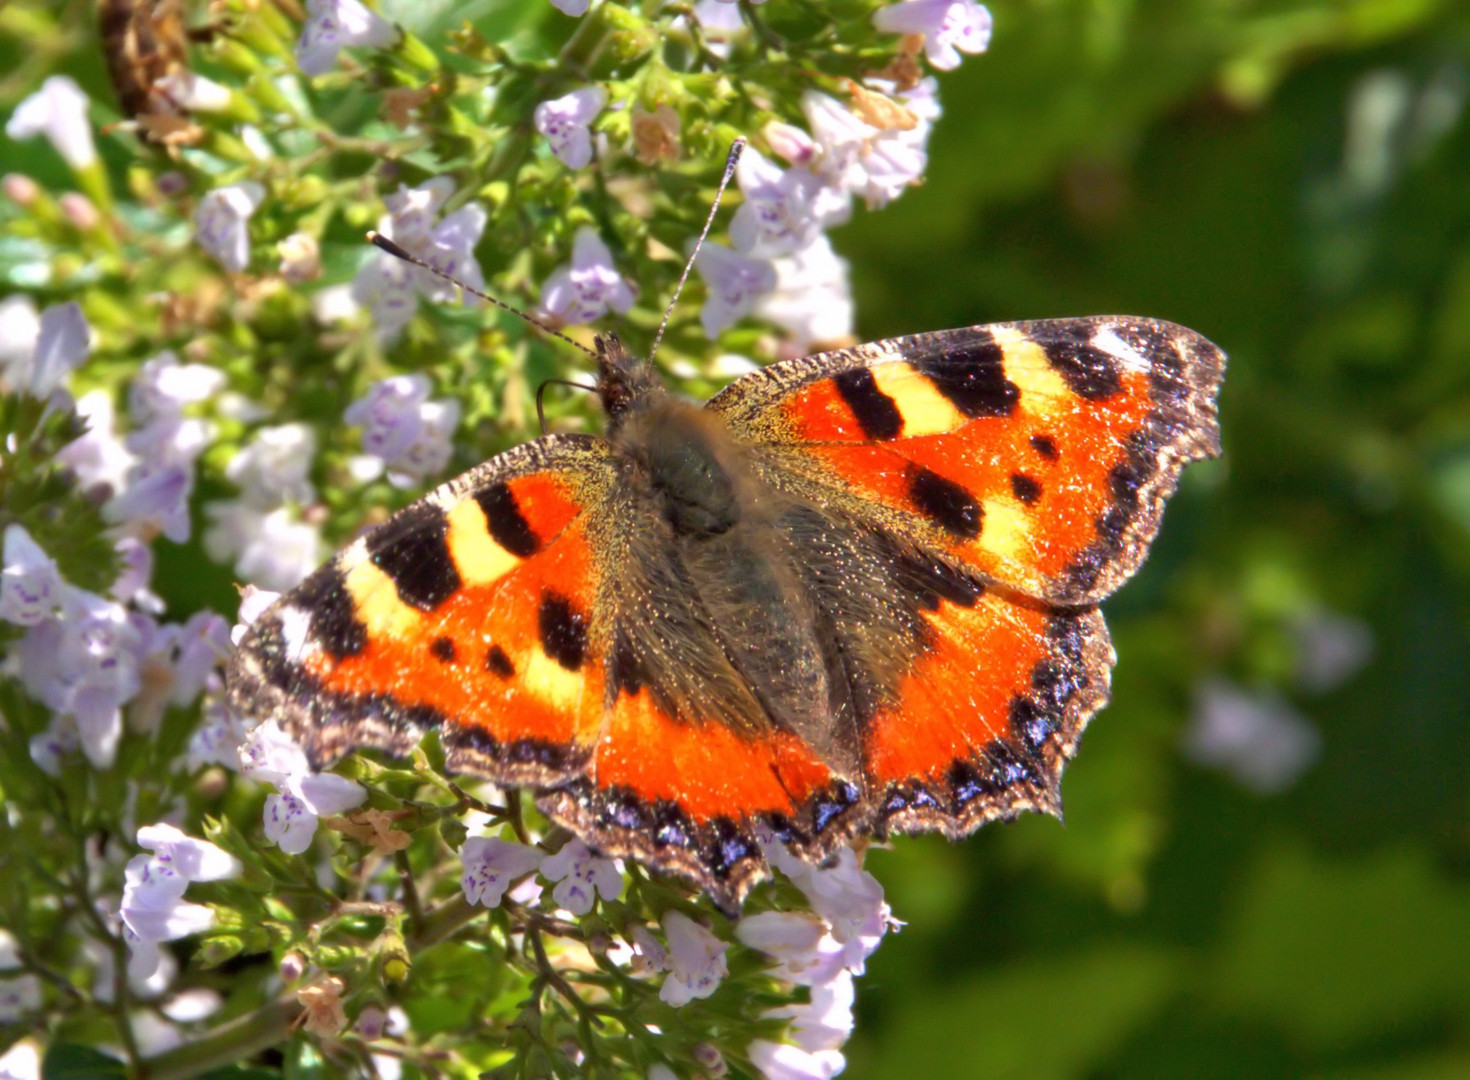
(378, 240)
(731, 160)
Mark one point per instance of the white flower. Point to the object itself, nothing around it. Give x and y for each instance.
(492, 865)
(777, 217)
(572, 7)
(565, 123)
(848, 897)
(390, 286)
(696, 961)
(950, 27)
(58, 111)
(19, 995)
(272, 550)
(222, 220)
(810, 297)
(333, 25)
(790, 938)
(783, 1061)
(61, 346)
(735, 283)
(271, 756)
(30, 585)
(583, 875)
(659, 1071)
(1255, 736)
(20, 325)
(589, 286)
(273, 468)
(194, 92)
(217, 739)
(825, 1022)
(856, 158)
(649, 954)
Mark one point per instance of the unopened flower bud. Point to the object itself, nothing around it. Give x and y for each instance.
(78, 210)
(20, 189)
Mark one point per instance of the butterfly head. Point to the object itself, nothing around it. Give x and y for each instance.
(623, 380)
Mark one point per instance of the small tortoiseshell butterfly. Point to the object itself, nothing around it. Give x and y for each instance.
(853, 594)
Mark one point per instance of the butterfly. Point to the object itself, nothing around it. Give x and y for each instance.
(854, 594)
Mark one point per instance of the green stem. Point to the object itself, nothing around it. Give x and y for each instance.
(234, 1042)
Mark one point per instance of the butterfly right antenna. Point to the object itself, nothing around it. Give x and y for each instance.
(730, 162)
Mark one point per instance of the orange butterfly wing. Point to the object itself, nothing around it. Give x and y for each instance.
(1035, 458)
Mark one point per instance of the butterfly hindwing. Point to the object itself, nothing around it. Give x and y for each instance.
(469, 611)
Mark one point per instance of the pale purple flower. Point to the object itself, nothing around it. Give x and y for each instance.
(59, 112)
(844, 894)
(735, 281)
(895, 159)
(156, 498)
(273, 468)
(950, 27)
(790, 142)
(492, 865)
(61, 346)
(649, 954)
(572, 7)
(696, 961)
(217, 739)
(194, 860)
(659, 1071)
(189, 652)
(391, 287)
(389, 414)
(131, 585)
(30, 585)
(1256, 736)
(777, 217)
(272, 757)
(152, 905)
(85, 665)
(783, 1061)
(163, 387)
(565, 123)
(431, 449)
(333, 25)
(589, 286)
(223, 223)
(810, 297)
(19, 996)
(51, 747)
(1330, 649)
(99, 459)
(583, 876)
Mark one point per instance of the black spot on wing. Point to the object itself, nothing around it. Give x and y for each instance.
(410, 548)
(508, 527)
(625, 672)
(334, 623)
(972, 376)
(442, 649)
(563, 631)
(1089, 372)
(498, 662)
(945, 503)
(928, 581)
(1044, 446)
(1025, 488)
(874, 410)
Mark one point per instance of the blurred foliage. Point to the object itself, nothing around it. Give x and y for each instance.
(1289, 179)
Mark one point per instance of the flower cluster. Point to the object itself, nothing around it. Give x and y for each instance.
(176, 376)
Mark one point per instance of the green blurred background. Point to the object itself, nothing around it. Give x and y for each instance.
(1292, 180)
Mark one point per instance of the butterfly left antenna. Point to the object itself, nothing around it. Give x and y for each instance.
(380, 241)
(730, 162)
